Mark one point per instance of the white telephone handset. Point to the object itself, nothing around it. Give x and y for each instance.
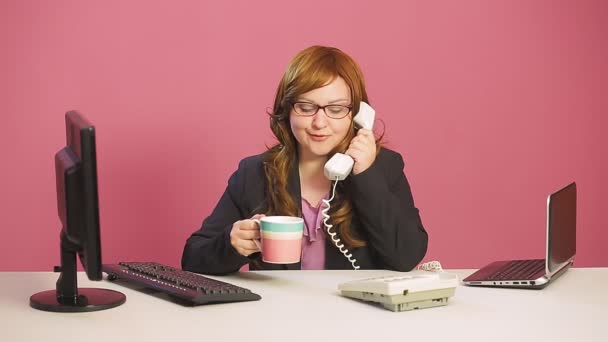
(340, 165)
(338, 168)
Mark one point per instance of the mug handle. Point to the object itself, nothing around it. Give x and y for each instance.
(257, 243)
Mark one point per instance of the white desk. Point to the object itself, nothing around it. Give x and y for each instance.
(306, 306)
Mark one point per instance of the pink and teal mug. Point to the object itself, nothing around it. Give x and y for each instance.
(281, 239)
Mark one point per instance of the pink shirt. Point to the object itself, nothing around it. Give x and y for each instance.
(313, 242)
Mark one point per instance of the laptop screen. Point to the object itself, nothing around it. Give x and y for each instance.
(561, 227)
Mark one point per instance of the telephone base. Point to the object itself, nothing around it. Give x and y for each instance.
(406, 301)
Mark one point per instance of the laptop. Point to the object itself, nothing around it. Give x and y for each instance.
(561, 249)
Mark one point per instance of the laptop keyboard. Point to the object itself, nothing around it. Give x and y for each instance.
(519, 270)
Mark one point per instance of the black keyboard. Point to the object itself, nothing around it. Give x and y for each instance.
(519, 270)
(191, 288)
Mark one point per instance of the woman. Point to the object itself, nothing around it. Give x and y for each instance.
(373, 210)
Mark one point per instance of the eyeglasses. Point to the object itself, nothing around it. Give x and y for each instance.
(310, 109)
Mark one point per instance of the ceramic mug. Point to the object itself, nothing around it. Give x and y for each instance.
(281, 238)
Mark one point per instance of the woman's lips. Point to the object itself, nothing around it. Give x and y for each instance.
(317, 137)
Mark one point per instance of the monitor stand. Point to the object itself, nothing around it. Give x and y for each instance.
(68, 297)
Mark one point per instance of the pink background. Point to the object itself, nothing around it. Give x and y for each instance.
(493, 105)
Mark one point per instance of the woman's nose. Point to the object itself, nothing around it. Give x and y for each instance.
(320, 119)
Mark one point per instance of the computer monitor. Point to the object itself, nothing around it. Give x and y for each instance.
(78, 209)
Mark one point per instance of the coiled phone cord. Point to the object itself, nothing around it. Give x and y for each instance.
(333, 234)
(433, 266)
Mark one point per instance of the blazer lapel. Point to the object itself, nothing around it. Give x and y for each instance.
(293, 187)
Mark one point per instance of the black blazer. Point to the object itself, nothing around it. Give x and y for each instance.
(384, 216)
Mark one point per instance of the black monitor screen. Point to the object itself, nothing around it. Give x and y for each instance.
(78, 209)
(77, 198)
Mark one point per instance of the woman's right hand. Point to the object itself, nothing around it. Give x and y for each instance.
(243, 234)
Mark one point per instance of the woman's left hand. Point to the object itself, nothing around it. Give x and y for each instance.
(363, 150)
